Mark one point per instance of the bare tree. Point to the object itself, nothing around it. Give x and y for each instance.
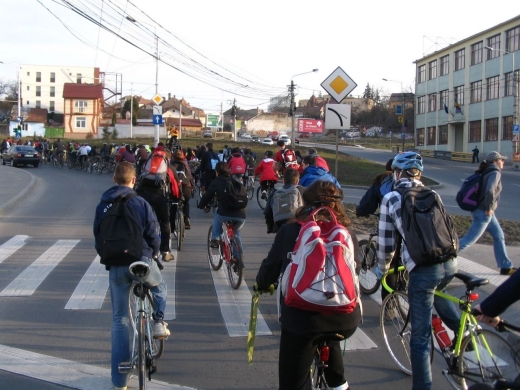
(9, 88)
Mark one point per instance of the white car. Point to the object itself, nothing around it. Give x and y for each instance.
(245, 135)
(285, 139)
(267, 141)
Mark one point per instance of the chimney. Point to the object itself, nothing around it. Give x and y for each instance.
(169, 95)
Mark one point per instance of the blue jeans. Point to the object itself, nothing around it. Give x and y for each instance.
(424, 281)
(481, 223)
(218, 220)
(120, 283)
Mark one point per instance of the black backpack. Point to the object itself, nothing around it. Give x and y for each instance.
(120, 235)
(235, 196)
(428, 229)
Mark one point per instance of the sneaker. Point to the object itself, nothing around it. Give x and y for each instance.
(119, 388)
(264, 195)
(187, 223)
(167, 256)
(207, 209)
(507, 271)
(160, 329)
(214, 243)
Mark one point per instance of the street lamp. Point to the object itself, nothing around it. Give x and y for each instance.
(403, 128)
(19, 114)
(293, 108)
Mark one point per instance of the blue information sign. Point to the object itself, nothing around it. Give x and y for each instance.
(157, 119)
(515, 129)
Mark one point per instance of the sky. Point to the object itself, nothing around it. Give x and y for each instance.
(214, 51)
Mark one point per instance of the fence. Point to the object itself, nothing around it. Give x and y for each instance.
(446, 155)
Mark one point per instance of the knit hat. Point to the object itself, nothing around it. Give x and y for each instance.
(492, 156)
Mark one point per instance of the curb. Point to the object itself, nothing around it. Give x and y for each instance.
(4, 207)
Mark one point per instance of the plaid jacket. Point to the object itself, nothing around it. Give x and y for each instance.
(390, 223)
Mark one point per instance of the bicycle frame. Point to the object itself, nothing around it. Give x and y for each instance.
(227, 234)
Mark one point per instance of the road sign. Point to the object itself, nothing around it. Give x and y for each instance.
(399, 110)
(403, 135)
(338, 84)
(157, 99)
(515, 129)
(212, 120)
(157, 119)
(515, 137)
(400, 119)
(157, 110)
(310, 126)
(337, 116)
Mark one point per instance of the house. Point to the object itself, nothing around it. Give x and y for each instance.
(83, 109)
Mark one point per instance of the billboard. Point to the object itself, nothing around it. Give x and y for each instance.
(213, 121)
(310, 126)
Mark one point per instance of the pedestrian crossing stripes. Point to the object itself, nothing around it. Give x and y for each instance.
(91, 290)
(11, 246)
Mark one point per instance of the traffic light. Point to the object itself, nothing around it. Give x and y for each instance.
(233, 110)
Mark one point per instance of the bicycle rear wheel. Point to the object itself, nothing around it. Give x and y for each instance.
(396, 330)
(368, 281)
(235, 266)
(141, 350)
(486, 358)
(179, 228)
(250, 188)
(157, 344)
(317, 375)
(261, 202)
(214, 256)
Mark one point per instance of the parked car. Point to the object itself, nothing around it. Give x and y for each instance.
(207, 134)
(267, 141)
(245, 135)
(297, 141)
(285, 139)
(21, 155)
(254, 138)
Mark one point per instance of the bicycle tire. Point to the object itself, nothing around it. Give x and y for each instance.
(179, 228)
(69, 163)
(99, 168)
(261, 202)
(235, 267)
(250, 188)
(317, 374)
(368, 281)
(478, 364)
(141, 351)
(157, 345)
(396, 335)
(214, 255)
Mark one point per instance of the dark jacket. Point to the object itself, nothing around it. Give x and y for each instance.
(295, 320)
(144, 214)
(205, 163)
(218, 186)
(505, 294)
(313, 173)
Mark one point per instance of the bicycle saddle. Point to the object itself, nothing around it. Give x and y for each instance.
(471, 281)
(329, 337)
(139, 269)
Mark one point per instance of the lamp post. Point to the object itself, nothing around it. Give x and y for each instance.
(131, 110)
(402, 108)
(19, 114)
(292, 109)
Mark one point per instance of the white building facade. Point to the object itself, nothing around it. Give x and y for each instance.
(42, 85)
(467, 93)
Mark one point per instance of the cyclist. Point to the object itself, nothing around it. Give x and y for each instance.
(141, 157)
(120, 277)
(180, 165)
(82, 153)
(424, 280)
(105, 152)
(224, 213)
(58, 148)
(207, 165)
(127, 155)
(267, 172)
(237, 165)
(312, 172)
(300, 328)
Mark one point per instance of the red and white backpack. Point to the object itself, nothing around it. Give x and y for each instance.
(289, 159)
(322, 274)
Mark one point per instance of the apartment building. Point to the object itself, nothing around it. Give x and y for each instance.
(42, 85)
(467, 93)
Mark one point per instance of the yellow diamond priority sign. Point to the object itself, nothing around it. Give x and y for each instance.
(338, 84)
(157, 99)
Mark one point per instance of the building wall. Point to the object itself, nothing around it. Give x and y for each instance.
(63, 74)
(269, 122)
(458, 138)
(92, 114)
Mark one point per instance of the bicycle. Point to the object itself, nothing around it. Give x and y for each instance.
(229, 249)
(145, 348)
(250, 183)
(368, 281)
(321, 357)
(179, 224)
(59, 160)
(477, 355)
(262, 202)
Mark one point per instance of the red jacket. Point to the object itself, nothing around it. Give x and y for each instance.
(237, 164)
(265, 170)
(321, 162)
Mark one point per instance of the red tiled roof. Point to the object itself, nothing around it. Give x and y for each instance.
(82, 91)
(185, 122)
(37, 115)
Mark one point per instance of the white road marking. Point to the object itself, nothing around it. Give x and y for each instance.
(66, 372)
(11, 246)
(235, 306)
(168, 274)
(92, 289)
(28, 281)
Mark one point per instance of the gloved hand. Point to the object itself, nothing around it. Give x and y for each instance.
(378, 273)
(269, 290)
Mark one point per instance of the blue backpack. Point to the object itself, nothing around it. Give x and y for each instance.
(468, 197)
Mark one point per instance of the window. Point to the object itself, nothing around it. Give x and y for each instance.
(421, 74)
(445, 65)
(507, 128)
(509, 89)
(492, 88)
(38, 77)
(459, 95)
(420, 137)
(53, 91)
(444, 99)
(432, 70)
(78, 78)
(491, 129)
(420, 105)
(476, 92)
(28, 73)
(474, 131)
(513, 39)
(81, 122)
(38, 90)
(493, 43)
(51, 106)
(81, 105)
(460, 59)
(53, 77)
(28, 87)
(432, 134)
(432, 102)
(476, 53)
(38, 104)
(443, 135)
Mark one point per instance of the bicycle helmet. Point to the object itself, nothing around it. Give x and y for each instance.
(407, 160)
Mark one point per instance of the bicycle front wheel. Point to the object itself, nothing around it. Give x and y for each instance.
(235, 266)
(396, 329)
(179, 228)
(141, 350)
(486, 357)
(261, 201)
(368, 281)
(250, 188)
(214, 256)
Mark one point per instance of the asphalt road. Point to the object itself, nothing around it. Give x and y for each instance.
(200, 353)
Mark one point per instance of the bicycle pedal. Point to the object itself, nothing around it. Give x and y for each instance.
(124, 368)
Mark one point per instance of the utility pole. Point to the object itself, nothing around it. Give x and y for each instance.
(292, 112)
(131, 110)
(180, 118)
(403, 126)
(156, 129)
(234, 114)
